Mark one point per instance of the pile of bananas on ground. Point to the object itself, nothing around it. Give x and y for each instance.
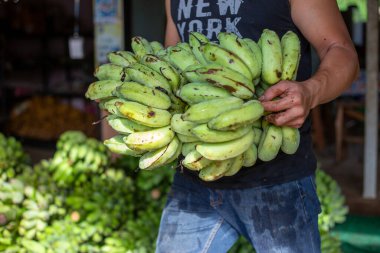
(198, 99)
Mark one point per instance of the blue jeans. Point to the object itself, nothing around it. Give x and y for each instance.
(280, 218)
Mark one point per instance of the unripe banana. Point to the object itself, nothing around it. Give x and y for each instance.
(272, 57)
(206, 134)
(291, 53)
(194, 93)
(256, 50)
(226, 150)
(156, 47)
(219, 55)
(147, 76)
(270, 143)
(195, 161)
(118, 146)
(290, 140)
(184, 46)
(205, 111)
(111, 71)
(188, 147)
(143, 114)
(136, 92)
(102, 89)
(164, 68)
(238, 117)
(161, 156)
(141, 47)
(215, 170)
(187, 138)
(121, 58)
(110, 105)
(196, 40)
(250, 156)
(223, 77)
(149, 140)
(233, 43)
(236, 165)
(181, 58)
(258, 132)
(125, 126)
(181, 126)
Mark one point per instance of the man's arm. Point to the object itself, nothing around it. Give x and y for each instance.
(322, 25)
(171, 34)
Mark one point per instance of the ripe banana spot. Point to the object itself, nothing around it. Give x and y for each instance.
(151, 114)
(269, 42)
(278, 73)
(229, 88)
(210, 71)
(231, 61)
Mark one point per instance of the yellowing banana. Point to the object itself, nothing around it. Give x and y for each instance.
(270, 143)
(143, 114)
(193, 93)
(124, 125)
(147, 76)
(121, 58)
(291, 53)
(181, 58)
(215, 170)
(118, 146)
(195, 161)
(256, 50)
(272, 57)
(182, 126)
(219, 55)
(238, 117)
(206, 134)
(102, 89)
(111, 71)
(188, 147)
(141, 47)
(196, 40)
(205, 111)
(250, 156)
(236, 165)
(136, 92)
(156, 46)
(109, 105)
(226, 150)
(150, 140)
(290, 140)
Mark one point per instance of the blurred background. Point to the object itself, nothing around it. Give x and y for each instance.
(48, 52)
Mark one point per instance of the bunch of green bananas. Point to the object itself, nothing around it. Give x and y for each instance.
(77, 157)
(332, 201)
(13, 159)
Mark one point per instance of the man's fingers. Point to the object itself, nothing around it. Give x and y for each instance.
(290, 117)
(274, 91)
(278, 105)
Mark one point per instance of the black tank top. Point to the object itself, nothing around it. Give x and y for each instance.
(248, 18)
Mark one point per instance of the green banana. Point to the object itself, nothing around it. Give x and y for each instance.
(164, 68)
(121, 58)
(181, 126)
(290, 140)
(291, 53)
(125, 126)
(223, 77)
(156, 46)
(256, 50)
(215, 170)
(136, 92)
(226, 150)
(205, 111)
(205, 134)
(250, 156)
(118, 146)
(148, 77)
(258, 132)
(194, 93)
(186, 138)
(143, 114)
(195, 161)
(188, 147)
(184, 46)
(215, 53)
(195, 41)
(236, 165)
(236, 118)
(161, 156)
(181, 58)
(102, 89)
(150, 140)
(111, 71)
(141, 47)
(272, 57)
(270, 143)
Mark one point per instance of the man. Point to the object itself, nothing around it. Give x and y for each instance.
(274, 204)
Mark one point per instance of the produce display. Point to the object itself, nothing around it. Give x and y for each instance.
(198, 100)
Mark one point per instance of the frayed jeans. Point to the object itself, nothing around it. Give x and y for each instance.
(279, 218)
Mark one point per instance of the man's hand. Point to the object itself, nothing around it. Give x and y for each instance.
(290, 103)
